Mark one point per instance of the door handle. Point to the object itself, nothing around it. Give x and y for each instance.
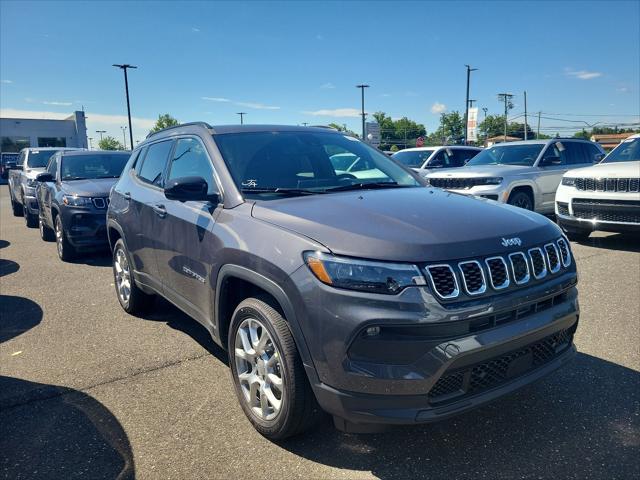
(160, 210)
(126, 196)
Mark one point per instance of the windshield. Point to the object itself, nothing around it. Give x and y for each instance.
(39, 158)
(104, 165)
(269, 164)
(508, 155)
(627, 151)
(414, 159)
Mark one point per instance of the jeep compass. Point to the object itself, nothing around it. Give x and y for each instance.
(376, 299)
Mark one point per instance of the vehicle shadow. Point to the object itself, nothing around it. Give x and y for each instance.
(163, 311)
(58, 432)
(581, 422)
(7, 267)
(97, 259)
(17, 315)
(625, 242)
(4, 244)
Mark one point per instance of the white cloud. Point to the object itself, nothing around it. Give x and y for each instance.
(58, 104)
(336, 112)
(327, 85)
(216, 99)
(6, 82)
(259, 106)
(582, 74)
(195, 29)
(623, 89)
(438, 108)
(385, 94)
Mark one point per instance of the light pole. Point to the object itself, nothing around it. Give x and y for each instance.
(362, 87)
(126, 89)
(506, 98)
(124, 136)
(466, 104)
(101, 132)
(90, 144)
(242, 114)
(485, 110)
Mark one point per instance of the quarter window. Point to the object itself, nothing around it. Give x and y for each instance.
(154, 163)
(190, 159)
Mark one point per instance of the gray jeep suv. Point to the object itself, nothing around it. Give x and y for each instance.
(378, 300)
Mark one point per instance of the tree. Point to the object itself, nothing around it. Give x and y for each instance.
(451, 129)
(582, 134)
(164, 121)
(110, 143)
(493, 126)
(341, 128)
(398, 132)
(394, 148)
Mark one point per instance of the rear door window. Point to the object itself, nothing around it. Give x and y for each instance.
(575, 153)
(154, 163)
(557, 149)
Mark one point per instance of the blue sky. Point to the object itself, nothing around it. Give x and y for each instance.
(294, 62)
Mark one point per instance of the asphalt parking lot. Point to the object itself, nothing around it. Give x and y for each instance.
(89, 391)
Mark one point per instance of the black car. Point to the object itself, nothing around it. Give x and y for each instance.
(377, 299)
(73, 195)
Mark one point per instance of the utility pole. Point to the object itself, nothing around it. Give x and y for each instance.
(525, 115)
(101, 132)
(242, 114)
(471, 103)
(362, 87)
(90, 144)
(126, 89)
(124, 136)
(506, 98)
(466, 104)
(305, 123)
(485, 110)
(538, 134)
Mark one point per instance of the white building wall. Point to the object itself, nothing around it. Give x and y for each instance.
(73, 129)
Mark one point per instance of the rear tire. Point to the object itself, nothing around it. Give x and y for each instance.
(66, 251)
(263, 370)
(132, 299)
(521, 199)
(46, 234)
(15, 206)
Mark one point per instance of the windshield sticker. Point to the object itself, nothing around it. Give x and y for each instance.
(250, 183)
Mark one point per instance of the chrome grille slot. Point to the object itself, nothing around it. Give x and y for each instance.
(444, 281)
(472, 277)
(519, 267)
(565, 254)
(498, 274)
(538, 263)
(623, 184)
(634, 184)
(553, 258)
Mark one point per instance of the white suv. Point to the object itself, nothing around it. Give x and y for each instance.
(424, 159)
(602, 197)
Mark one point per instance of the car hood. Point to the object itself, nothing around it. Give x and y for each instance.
(483, 171)
(99, 187)
(410, 224)
(611, 170)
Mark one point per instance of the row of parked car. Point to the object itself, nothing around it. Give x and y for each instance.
(337, 279)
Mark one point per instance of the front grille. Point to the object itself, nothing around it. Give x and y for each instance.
(608, 184)
(553, 259)
(500, 370)
(565, 255)
(498, 273)
(100, 203)
(627, 211)
(519, 267)
(563, 208)
(537, 262)
(444, 280)
(472, 277)
(455, 183)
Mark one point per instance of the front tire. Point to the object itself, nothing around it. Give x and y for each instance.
(269, 379)
(132, 299)
(66, 251)
(521, 199)
(46, 233)
(30, 220)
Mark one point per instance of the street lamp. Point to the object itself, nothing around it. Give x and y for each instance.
(124, 136)
(101, 132)
(466, 104)
(126, 89)
(242, 114)
(362, 87)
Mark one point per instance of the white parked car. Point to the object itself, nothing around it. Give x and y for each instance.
(605, 196)
(424, 159)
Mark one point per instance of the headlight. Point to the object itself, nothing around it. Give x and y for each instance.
(363, 275)
(31, 182)
(74, 201)
(568, 181)
(489, 181)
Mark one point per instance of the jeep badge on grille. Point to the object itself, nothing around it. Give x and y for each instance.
(510, 242)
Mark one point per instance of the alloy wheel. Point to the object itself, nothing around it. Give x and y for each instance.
(259, 369)
(59, 237)
(123, 275)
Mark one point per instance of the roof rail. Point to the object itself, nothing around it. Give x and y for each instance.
(200, 124)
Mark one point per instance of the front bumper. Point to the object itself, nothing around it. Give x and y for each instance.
(86, 229)
(493, 192)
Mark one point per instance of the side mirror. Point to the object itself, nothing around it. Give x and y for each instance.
(599, 157)
(551, 160)
(45, 177)
(189, 189)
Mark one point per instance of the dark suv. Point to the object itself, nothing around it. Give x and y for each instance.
(379, 300)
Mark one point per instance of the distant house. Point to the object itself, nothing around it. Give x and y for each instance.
(500, 139)
(609, 141)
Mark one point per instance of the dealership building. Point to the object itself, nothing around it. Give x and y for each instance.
(19, 133)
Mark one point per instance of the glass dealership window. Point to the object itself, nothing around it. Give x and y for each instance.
(52, 142)
(14, 144)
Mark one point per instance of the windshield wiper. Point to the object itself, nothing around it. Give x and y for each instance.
(283, 191)
(366, 186)
(65, 179)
